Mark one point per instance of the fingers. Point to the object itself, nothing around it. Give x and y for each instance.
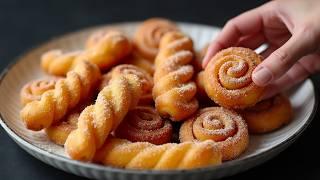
(252, 41)
(300, 71)
(281, 60)
(248, 23)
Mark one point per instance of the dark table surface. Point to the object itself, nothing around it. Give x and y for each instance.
(24, 24)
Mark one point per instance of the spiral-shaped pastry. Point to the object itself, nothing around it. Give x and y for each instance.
(143, 124)
(97, 121)
(139, 61)
(225, 127)
(34, 89)
(268, 115)
(105, 52)
(174, 90)
(142, 155)
(228, 78)
(148, 35)
(68, 92)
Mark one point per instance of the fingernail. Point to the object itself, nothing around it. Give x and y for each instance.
(262, 76)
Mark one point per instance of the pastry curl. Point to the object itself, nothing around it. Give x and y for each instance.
(68, 92)
(112, 104)
(268, 115)
(148, 35)
(228, 78)
(143, 124)
(139, 61)
(106, 52)
(225, 127)
(33, 90)
(174, 90)
(142, 155)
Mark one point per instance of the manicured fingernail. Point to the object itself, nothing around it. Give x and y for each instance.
(262, 76)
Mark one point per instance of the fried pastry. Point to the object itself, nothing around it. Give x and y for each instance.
(142, 155)
(228, 78)
(268, 115)
(174, 90)
(225, 127)
(67, 94)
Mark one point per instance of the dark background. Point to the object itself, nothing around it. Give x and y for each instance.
(25, 24)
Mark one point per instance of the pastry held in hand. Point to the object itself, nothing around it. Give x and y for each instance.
(67, 94)
(142, 155)
(148, 35)
(228, 78)
(268, 115)
(143, 124)
(105, 52)
(174, 90)
(112, 104)
(33, 90)
(225, 127)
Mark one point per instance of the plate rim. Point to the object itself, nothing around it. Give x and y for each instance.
(20, 141)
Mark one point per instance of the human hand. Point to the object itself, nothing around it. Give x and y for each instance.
(290, 28)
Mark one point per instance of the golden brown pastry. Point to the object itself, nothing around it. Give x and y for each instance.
(174, 90)
(34, 89)
(148, 35)
(142, 155)
(228, 78)
(225, 127)
(143, 124)
(67, 94)
(268, 115)
(112, 104)
(139, 61)
(106, 52)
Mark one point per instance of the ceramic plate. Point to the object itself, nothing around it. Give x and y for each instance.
(26, 68)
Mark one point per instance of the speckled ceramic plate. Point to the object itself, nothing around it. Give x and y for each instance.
(26, 68)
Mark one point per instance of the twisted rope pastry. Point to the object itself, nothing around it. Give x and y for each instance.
(143, 155)
(146, 97)
(228, 78)
(112, 104)
(55, 103)
(148, 35)
(143, 124)
(225, 127)
(105, 52)
(33, 90)
(268, 115)
(174, 91)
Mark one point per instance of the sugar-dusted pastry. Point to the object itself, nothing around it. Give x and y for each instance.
(143, 155)
(141, 62)
(201, 92)
(148, 35)
(106, 52)
(112, 104)
(143, 124)
(268, 115)
(174, 90)
(228, 78)
(67, 94)
(146, 97)
(34, 89)
(225, 127)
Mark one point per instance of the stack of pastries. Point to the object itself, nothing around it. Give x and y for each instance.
(142, 102)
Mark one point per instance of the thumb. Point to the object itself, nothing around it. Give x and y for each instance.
(281, 60)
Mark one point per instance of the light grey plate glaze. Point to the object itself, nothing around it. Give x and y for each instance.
(26, 68)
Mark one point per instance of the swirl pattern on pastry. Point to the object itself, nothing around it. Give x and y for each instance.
(67, 93)
(139, 61)
(174, 90)
(268, 115)
(145, 125)
(112, 104)
(148, 35)
(228, 78)
(225, 127)
(106, 52)
(144, 155)
(34, 89)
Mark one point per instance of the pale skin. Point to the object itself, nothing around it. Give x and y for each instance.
(290, 28)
